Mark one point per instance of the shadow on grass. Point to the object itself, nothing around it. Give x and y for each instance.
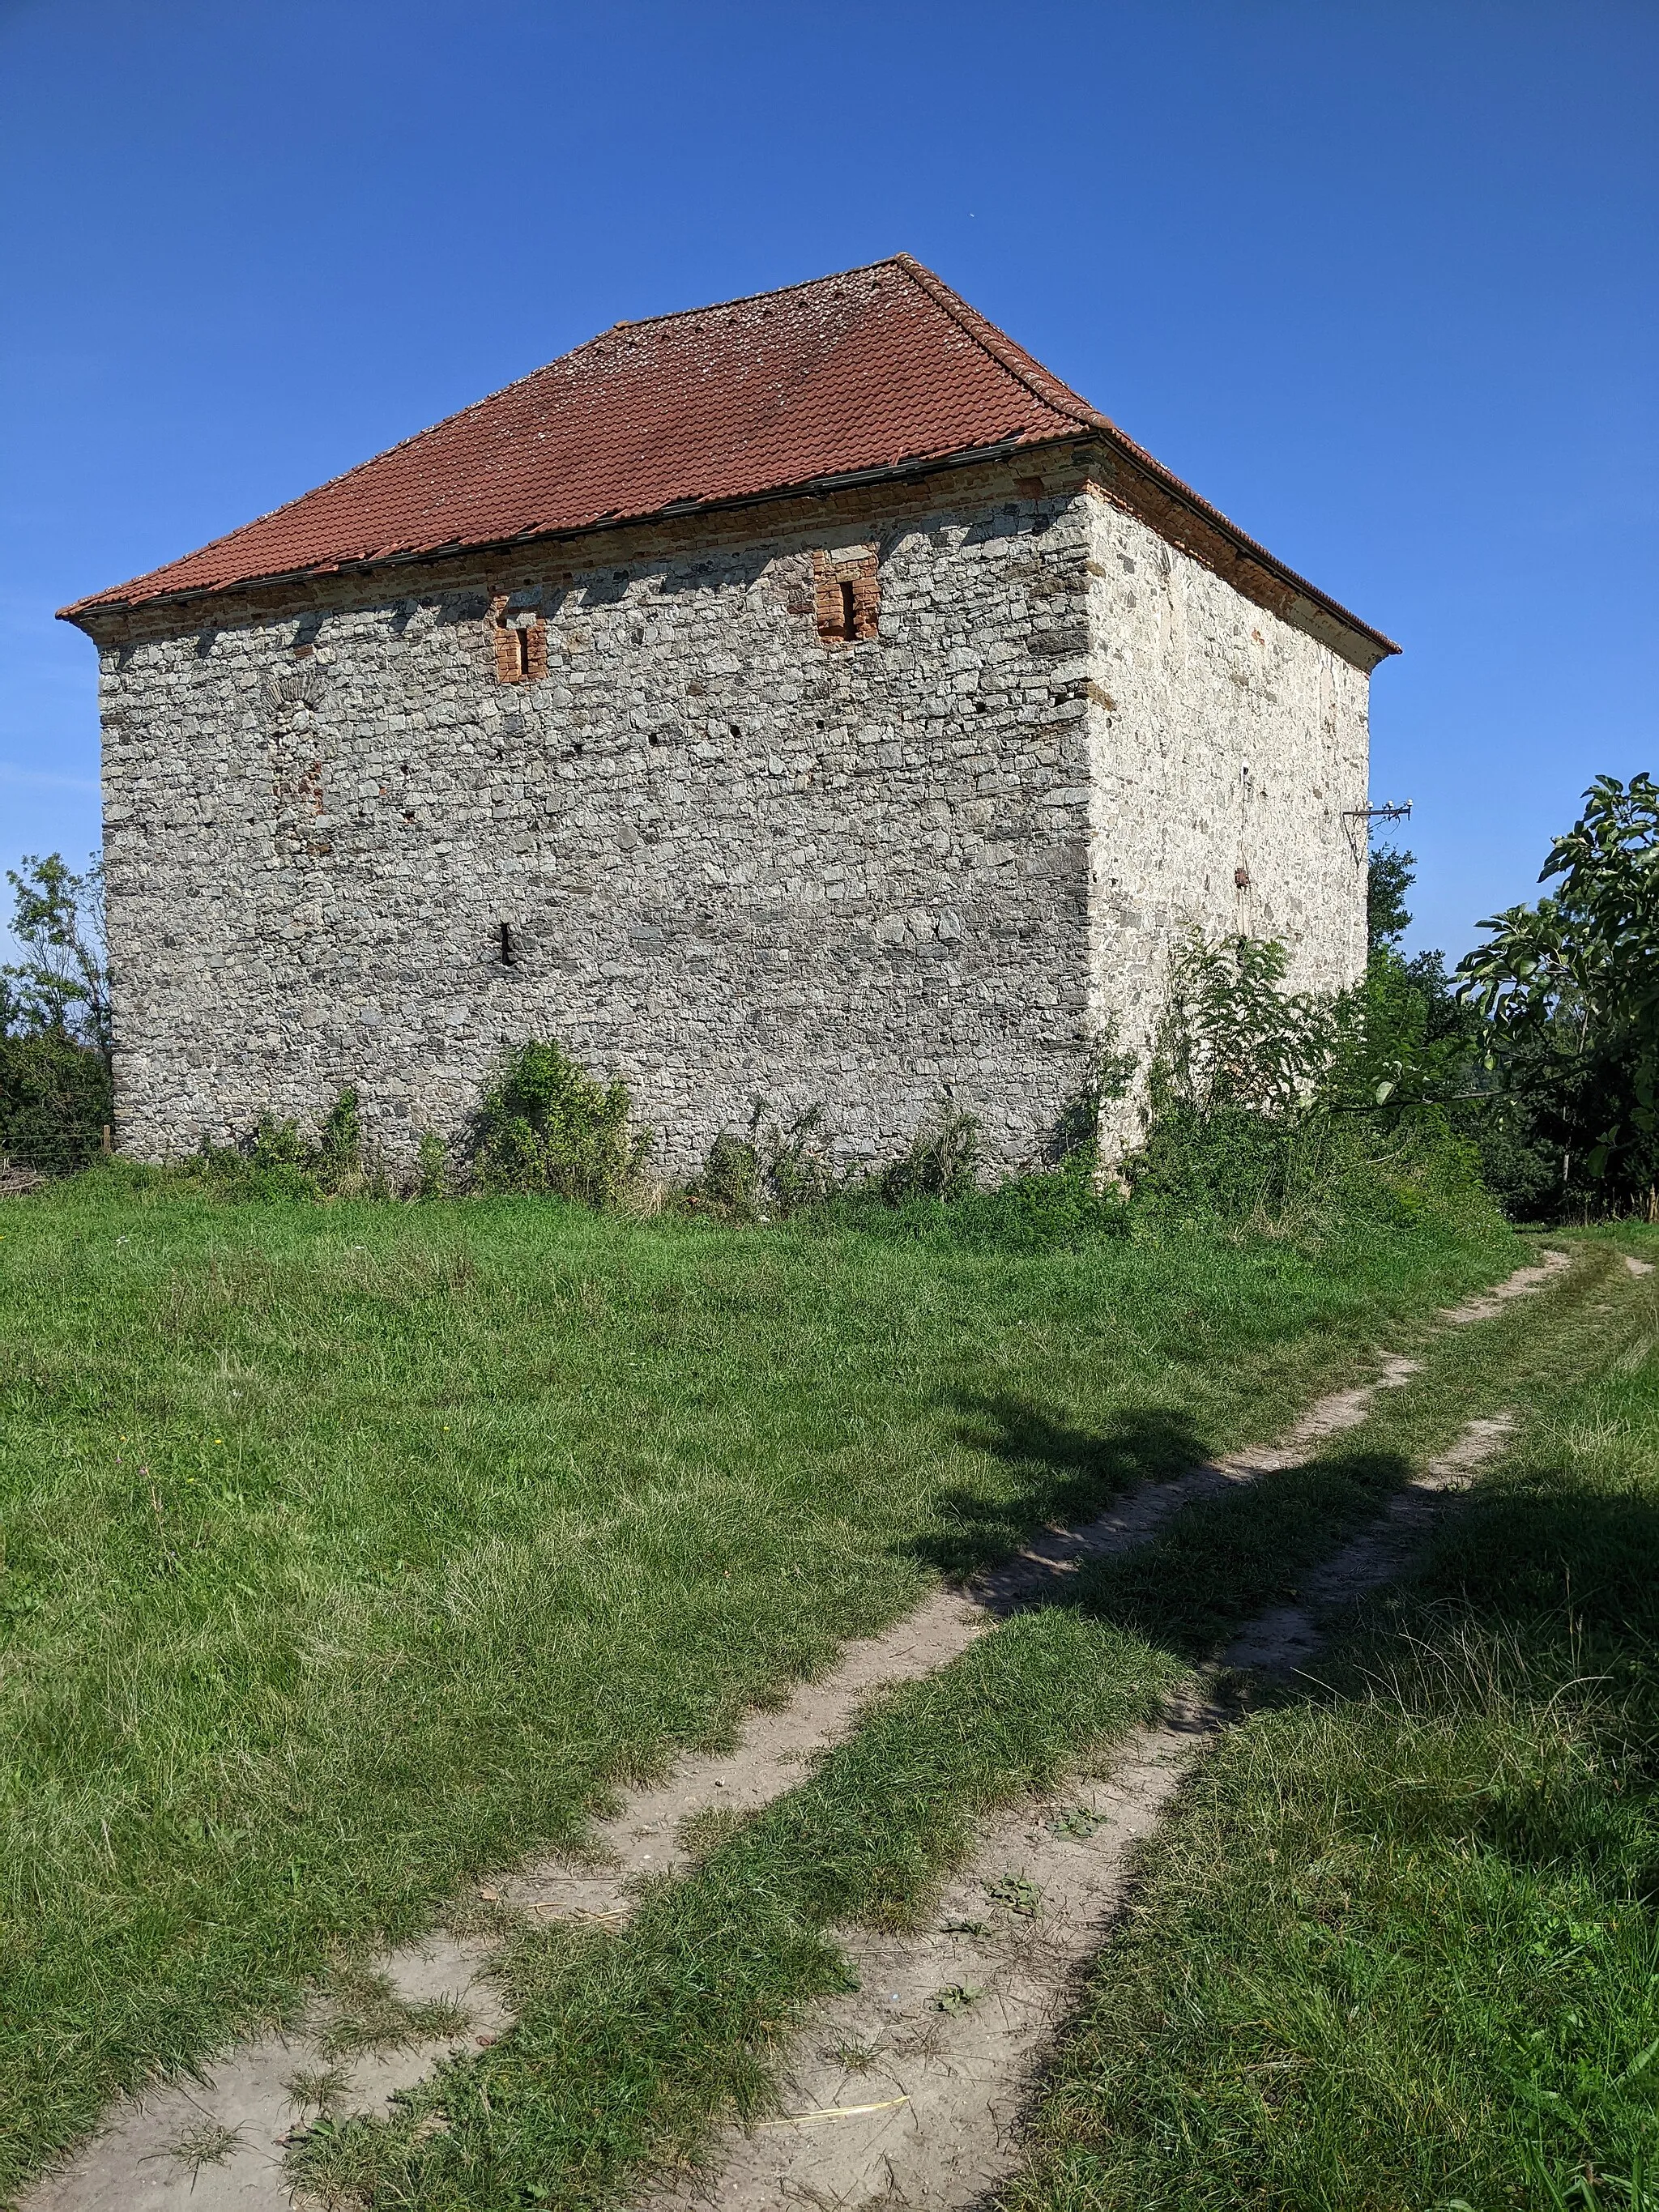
(1067, 1476)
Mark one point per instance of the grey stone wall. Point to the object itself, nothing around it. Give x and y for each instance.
(734, 859)
(1229, 754)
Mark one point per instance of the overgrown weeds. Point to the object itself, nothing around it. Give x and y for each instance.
(278, 1160)
(548, 1128)
(1272, 1110)
(783, 1164)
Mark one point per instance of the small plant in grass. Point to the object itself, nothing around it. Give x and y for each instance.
(1014, 1893)
(432, 1165)
(340, 1146)
(855, 2058)
(1078, 1820)
(205, 2143)
(319, 2089)
(548, 1127)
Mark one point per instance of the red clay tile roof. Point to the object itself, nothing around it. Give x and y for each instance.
(879, 367)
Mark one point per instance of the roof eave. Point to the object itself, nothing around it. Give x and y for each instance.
(1374, 646)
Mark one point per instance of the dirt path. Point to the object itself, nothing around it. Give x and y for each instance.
(909, 2091)
(217, 2144)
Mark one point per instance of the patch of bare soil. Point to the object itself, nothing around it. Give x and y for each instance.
(217, 2144)
(909, 2091)
(1489, 1304)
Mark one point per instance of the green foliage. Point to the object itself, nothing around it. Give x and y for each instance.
(1231, 1038)
(941, 1161)
(60, 988)
(278, 1160)
(1569, 987)
(1389, 877)
(55, 1098)
(1075, 1136)
(1289, 1111)
(930, 1194)
(432, 1165)
(547, 1127)
(1059, 1210)
(779, 1167)
(54, 1103)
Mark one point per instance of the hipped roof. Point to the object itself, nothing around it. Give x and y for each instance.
(880, 370)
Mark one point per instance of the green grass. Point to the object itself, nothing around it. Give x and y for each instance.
(1399, 1947)
(628, 2048)
(349, 1549)
(627, 2052)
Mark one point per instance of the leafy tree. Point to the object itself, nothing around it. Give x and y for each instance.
(60, 988)
(1570, 990)
(1417, 1049)
(1391, 875)
(55, 1098)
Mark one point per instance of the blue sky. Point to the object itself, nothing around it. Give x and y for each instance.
(1379, 280)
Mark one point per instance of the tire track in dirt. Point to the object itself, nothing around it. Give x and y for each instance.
(247, 2106)
(910, 2089)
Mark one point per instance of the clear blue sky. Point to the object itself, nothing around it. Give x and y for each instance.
(1378, 279)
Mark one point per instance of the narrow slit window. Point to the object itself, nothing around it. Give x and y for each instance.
(846, 596)
(520, 647)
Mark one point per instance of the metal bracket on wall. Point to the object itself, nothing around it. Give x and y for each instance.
(1360, 818)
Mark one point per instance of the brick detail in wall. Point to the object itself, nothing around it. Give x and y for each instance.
(846, 596)
(520, 644)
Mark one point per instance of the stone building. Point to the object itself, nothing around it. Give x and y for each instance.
(809, 698)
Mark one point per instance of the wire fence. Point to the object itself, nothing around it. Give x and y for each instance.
(55, 1110)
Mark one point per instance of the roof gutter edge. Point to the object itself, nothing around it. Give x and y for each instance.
(808, 487)
(1124, 449)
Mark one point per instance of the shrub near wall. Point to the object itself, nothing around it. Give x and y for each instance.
(546, 1126)
(55, 1101)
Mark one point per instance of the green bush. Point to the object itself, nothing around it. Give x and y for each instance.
(547, 1127)
(1290, 1112)
(941, 1162)
(277, 1159)
(55, 1101)
(778, 1168)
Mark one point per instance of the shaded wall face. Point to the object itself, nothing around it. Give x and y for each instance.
(1229, 751)
(732, 858)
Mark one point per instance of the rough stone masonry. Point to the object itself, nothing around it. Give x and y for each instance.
(858, 785)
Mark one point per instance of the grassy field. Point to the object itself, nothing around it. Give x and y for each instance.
(629, 2049)
(1399, 1948)
(352, 1548)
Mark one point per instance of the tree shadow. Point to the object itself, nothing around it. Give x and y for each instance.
(1067, 1476)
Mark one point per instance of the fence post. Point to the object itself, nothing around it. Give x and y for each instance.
(108, 1147)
